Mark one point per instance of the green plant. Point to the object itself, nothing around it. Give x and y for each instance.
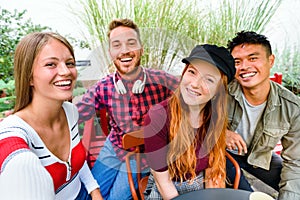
(288, 63)
(78, 91)
(221, 21)
(171, 28)
(13, 27)
(9, 87)
(8, 102)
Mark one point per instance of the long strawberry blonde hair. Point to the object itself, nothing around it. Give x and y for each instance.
(182, 156)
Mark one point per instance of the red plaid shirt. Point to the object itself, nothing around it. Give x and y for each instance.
(126, 111)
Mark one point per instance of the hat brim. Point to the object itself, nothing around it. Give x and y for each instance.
(190, 59)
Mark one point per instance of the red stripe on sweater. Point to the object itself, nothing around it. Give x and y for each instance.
(9, 145)
(58, 171)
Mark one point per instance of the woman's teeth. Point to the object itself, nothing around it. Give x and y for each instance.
(63, 83)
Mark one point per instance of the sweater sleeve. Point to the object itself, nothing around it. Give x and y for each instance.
(87, 178)
(24, 177)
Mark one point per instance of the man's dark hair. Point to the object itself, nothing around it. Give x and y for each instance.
(250, 37)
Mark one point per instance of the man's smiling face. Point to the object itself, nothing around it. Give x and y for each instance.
(125, 49)
(252, 64)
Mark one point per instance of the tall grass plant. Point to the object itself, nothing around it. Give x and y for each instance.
(170, 29)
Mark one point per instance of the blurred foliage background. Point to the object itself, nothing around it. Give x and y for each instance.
(169, 30)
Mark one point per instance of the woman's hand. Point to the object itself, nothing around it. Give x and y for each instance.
(96, 195)
(164, 184)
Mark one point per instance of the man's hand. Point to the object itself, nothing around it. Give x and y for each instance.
(234, 140)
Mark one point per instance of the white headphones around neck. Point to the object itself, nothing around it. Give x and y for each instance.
(138, 86)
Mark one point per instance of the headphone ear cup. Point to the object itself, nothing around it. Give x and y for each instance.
(136, 87)
(141, 88)
(120, 87)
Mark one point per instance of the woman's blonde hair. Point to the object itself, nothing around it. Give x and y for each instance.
(26, 52)
(182, 156)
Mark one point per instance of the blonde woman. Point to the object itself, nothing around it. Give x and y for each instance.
(41, 154)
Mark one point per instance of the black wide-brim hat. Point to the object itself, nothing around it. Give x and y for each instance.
(218, 56)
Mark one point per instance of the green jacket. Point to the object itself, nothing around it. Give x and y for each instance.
(280, 121)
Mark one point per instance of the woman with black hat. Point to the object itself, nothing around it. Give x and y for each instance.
(185, 135)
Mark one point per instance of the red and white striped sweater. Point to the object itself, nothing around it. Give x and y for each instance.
(18, 139)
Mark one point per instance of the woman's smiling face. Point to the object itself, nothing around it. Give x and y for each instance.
(54, 72)
(199, 83)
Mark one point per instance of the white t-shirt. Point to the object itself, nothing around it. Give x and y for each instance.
(251, 116)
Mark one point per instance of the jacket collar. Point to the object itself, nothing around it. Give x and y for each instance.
(273, 100)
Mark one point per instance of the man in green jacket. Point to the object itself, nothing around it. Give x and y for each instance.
(262, 113)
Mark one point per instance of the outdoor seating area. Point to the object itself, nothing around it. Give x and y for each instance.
(145, 100)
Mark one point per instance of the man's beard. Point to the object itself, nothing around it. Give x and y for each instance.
(127, 73)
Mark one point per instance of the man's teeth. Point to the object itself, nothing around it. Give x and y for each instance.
(126, 59)
(63, 83)
(248, 75)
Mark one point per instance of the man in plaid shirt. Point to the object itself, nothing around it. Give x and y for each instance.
(126, 95)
